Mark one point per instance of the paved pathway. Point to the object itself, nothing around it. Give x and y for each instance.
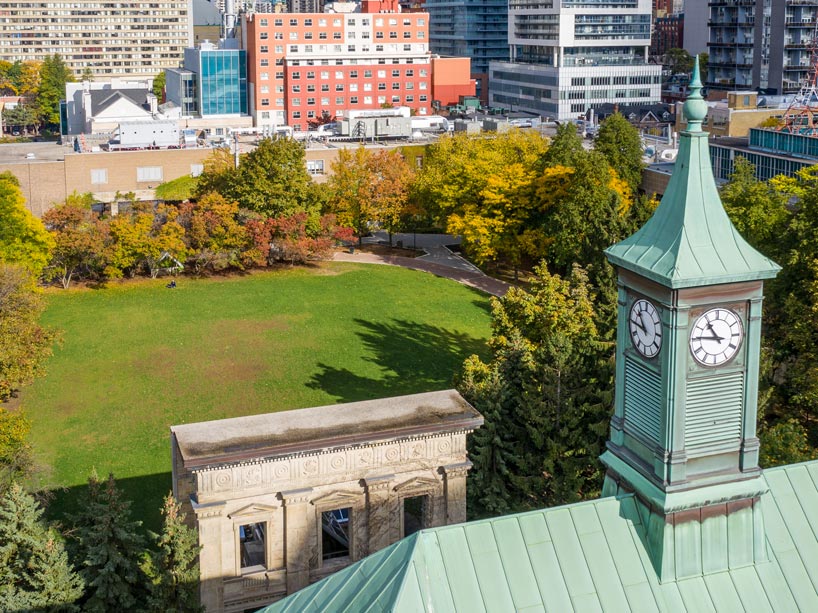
(438, 260)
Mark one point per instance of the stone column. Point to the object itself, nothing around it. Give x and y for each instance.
(299, 527)
(209, 522)
(454, 491)
(384, 523)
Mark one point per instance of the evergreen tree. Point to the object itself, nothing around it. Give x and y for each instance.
(545, 398)
(174, 568)
(107, 550)
(491, 447)
(35, 574)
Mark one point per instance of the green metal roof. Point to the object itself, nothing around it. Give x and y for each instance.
(584, 557)
(690, 240)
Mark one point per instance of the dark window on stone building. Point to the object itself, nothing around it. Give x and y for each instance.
(414, 514)
(251, 545)
(335, 533)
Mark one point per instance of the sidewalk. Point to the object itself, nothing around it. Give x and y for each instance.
(462, 271)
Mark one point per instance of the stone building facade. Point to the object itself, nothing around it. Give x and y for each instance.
(284, 499)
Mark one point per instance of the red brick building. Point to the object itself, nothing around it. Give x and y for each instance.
(668, 33)
(300, 65)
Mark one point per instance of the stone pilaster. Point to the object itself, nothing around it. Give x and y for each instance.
(454, 491)
(384, 523)
(209, 522)
(299, 537)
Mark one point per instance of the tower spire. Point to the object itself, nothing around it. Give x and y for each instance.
(683, 435)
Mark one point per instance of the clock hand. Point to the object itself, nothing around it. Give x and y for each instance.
(640, 324)
(708, 338)
(716, 337)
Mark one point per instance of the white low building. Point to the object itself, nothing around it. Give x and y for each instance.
(570, 56)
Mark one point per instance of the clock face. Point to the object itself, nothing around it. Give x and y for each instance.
(646, 328)
(716, 337)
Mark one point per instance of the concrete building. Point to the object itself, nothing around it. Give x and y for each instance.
(468, 28)
(302, 65)
(759, 45)
(285, 499)
(112, 39)
(569, 57)
(668, 33)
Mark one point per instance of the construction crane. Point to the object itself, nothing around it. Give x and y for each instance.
(801, 116)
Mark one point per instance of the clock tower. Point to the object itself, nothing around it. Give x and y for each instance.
(683, 436)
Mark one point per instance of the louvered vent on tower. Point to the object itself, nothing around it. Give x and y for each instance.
(642, 400)
(713, 410)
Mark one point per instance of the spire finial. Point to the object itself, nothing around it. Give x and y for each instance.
(695, 108)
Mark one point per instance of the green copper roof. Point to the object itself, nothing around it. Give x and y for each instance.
(583, 557)
(690, 240)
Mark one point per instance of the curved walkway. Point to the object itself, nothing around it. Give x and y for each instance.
(438, 261)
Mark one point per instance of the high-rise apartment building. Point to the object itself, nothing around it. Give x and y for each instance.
(302, 66)
(109, 38)
(760, 44)
(477, 29)
(569, 56)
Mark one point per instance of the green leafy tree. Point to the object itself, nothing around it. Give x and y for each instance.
(159, 86)
(174, 567)
(678, 61)
(87, 74)
(272, 180)
(35, 574)
(107, 550)
(620, 143)
(23, 238)
(785, 443)
(54, 74)
(757, 209)
(565, 147)
(24, 343)
(25, 116)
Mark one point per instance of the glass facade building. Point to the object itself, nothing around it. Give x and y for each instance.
(477, 29)
(223, 82)
(771, 152)
(212, 82)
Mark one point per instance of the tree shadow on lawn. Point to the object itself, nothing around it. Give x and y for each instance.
(145, 493)
(413, 358)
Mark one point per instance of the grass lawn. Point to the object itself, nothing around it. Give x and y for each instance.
(137, 358)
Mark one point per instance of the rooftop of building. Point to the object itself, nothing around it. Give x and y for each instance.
(317, 428)
(589, 556)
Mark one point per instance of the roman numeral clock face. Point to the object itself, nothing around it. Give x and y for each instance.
(645, 328)
(716, 337)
